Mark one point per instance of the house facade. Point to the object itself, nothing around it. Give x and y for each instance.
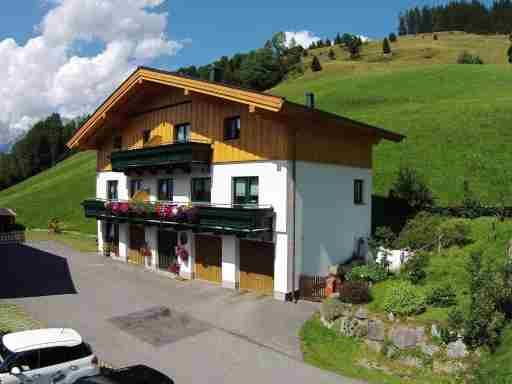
(218, 183)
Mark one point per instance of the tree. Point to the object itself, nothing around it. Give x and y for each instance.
(315, 64)
(392, 38)
(509, 54)
(332, 55)
(411, 187)
(328, 43)
(261, 70)
(355, 47)
(338, 40)
(386, 48)
(402, 25)
(305, 53)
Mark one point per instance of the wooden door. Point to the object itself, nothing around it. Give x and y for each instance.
(257, 266)
(167, 241)
(137, 241)
(209, 258)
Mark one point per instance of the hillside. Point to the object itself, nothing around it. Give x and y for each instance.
(56, 192)
(456, 117)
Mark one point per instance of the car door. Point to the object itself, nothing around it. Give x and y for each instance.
(54, 365)
(30, 371)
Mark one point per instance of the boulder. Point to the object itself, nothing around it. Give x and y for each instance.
(456, 350)
(434, 331)
(376, 331)
(404, 337)
(353, 327)
(391, 317)
(429, 349)
(361, 313)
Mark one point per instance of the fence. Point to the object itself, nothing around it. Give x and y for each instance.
(12, 237)
(312, 287)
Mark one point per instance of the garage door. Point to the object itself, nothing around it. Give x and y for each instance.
(137, 241)
(257, 266)
(209, 258)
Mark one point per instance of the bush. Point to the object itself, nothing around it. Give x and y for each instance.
(435, 37)
(355, 292)
(392, 38)
(467, 58)
(414, 267)
(373, 273)
(455, 232)
(421, 232)
(386, 48)
(442, 296)
(404, 299)
(332, 309)
(411, 187)
(315, 65)
(332, 54)
(15, 228)
(54, 226)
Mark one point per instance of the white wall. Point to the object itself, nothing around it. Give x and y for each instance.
(230, 261)
(329, 224)
(101, 184)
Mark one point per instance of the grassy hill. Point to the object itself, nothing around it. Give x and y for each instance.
(456, 117)
(56, 192)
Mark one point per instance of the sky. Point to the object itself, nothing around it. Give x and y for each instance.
(66, 56)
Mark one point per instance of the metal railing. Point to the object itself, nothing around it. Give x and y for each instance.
(158, 143)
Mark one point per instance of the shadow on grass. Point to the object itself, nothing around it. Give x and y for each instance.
(29, 272)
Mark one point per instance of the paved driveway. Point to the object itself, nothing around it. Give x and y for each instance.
(193, 331)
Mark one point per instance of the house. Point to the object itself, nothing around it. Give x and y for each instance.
(7, 219)
(228, 185)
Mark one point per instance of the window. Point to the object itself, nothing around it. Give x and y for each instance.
(53, 356)
(79, 352)
(182, 133)
(135, 186)
(245, 190)
(201, 189)
(358, 192)
(27, 361)
(165, 189)
(146, 136)
(232, 128)
(112, 190)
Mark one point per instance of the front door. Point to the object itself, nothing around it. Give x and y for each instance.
(137, 241)
(209, 258)
(111, 239)
(167, 241)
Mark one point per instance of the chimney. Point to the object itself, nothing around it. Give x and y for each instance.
(310, 100)
(215, 74)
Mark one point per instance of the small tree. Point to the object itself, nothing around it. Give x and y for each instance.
(332, 55)
(354, 47)
(386, 48)
(392, 38)
(305, 53)
(315, 64)
(411, 187)
(509, 54)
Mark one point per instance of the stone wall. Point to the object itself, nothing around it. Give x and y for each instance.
(410, 344)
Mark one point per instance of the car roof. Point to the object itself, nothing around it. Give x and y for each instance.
(41, 338)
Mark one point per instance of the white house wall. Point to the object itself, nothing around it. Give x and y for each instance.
(328, 223)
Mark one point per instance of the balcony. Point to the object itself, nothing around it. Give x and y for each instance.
(237, 219)
(166, 155)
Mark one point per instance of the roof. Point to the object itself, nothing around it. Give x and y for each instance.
(41, 338)
(253, 99)
(7, 212)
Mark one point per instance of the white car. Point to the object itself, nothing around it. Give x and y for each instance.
(45, 356)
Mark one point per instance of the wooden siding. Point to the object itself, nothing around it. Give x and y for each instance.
(262, 137)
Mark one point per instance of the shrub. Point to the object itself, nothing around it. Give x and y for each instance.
(509, 54)
(54, 226)
(410, 186)
(373, 273)
(332, 309)
(442, 296)
(421, 232)
(471, 204)
(355, 292)
(414, 267)
(404, 299)
(435, 37)
(467, 58)
(386, 48)
(392, 38)
(315, 65)
(332, 54)
(455, 232)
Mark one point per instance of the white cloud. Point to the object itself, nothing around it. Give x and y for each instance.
(47, 74)
(302, 38)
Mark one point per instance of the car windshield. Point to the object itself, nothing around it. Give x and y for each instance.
(4, 352)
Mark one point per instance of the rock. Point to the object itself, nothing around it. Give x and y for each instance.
(434, 331)
(376, 330)
(429, 349)
(352, 327)
(448, 367)
(411, 361)
(456, 350)
(404, 337)
(362, 314)
(420, 334)
(391, 317)
(374, 346)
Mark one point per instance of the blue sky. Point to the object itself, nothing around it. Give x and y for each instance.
(225, 27)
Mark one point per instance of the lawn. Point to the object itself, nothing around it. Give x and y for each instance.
(79, 242)
(15, 319)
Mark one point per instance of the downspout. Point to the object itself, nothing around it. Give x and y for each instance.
(294, 209)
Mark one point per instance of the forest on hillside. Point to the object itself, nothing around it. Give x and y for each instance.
(40, 148)
(468, 16)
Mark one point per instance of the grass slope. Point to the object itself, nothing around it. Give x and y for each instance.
(456, 117)
(56, 192)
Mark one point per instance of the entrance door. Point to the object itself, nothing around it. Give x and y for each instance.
(257, 266)
(111, 239)
(209, 258)
(137, 241)
(167, 241)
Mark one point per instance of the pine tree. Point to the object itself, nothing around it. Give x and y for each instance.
(315, 65)
(355, 47)
(402, 26)
(386, 48)
(328, 43)
(337, 40)
(332, 55)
